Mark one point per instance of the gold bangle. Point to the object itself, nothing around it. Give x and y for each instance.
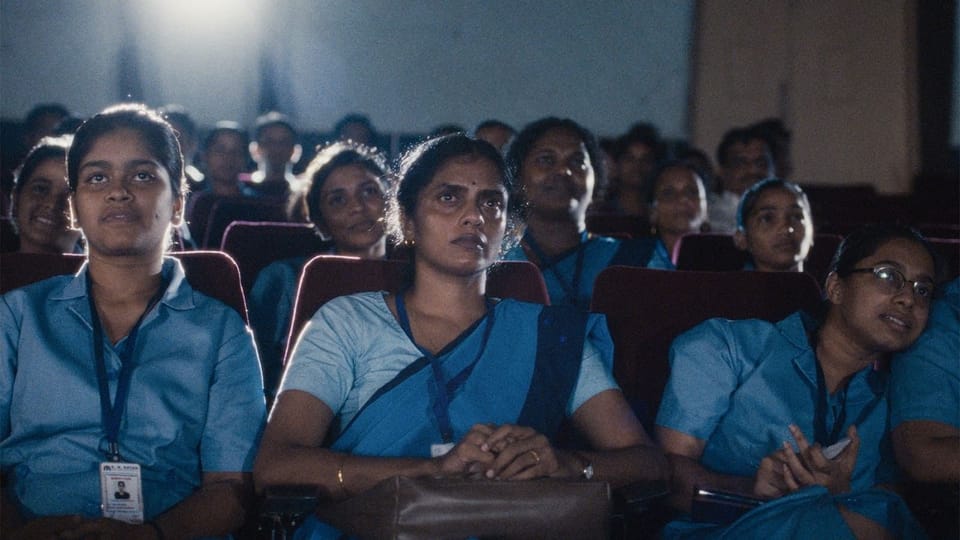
(343, 489)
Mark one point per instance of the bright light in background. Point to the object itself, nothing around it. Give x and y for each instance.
(195, 19)
(208, 47)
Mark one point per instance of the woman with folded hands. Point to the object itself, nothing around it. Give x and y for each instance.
(440, 379)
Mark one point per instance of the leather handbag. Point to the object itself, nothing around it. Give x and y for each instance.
(438, 508)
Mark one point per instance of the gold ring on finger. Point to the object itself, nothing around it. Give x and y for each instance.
(536, 456)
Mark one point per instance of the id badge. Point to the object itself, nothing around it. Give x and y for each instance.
(437, 450)
(120, 491)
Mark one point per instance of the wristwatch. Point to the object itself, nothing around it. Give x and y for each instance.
(587, 471)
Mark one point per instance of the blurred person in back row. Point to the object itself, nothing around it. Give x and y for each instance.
(743, 158)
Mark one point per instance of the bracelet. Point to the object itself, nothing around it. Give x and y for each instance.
(156, 527)
(343, 489)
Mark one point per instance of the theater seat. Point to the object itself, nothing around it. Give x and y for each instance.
(716, 252)
(226, 210)
(949, 249)
(328, 276)
(646, 309)
(213, 273)
(256, 244)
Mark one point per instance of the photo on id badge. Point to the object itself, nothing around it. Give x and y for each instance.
(120, 491)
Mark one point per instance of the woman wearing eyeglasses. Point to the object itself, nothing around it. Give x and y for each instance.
(759, 409)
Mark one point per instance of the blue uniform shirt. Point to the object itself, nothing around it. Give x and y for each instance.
(196, 396)
(738, 385)
(570, 278)
(925, 383)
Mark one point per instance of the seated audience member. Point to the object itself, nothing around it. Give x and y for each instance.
(608, 148)
(495, 132)
(778, 140)
(124, 365)
(346, 206)
(678, 206)
(700, 161)
(638, 153)
(276, 150)
(225, 158)
(925, 396)
(744, 159)
(178, 117)
(774, 226)
(356, 127)
(364, 367)
(755, 407)
(68, 126)
(40, 122)
(39, 209)
(554, 162)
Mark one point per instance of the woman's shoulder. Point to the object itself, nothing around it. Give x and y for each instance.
(363, 306)
(754, 330)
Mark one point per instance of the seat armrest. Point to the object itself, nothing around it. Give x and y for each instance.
(283, 508)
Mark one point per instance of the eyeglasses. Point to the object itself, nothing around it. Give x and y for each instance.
(893, 280)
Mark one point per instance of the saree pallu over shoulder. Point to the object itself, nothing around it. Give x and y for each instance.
(518, 365)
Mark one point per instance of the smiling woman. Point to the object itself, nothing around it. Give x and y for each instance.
(366, 370)
(557, 163)
(198, 397)
(38, 204)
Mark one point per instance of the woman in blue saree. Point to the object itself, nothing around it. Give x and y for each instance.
(440, 380)
(754, 407)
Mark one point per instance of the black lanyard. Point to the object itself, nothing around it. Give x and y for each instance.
(571, 289)
(820, 419)
(111, 415)
(445, 390)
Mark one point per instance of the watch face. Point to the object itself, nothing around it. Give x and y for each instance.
(588, 471)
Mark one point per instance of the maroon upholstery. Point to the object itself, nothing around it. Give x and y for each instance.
(646, 309)
(328, 276)
(9, 241)
(208, 226)
(211, 272)
(717, 253)
(256, 244)
(949, 249)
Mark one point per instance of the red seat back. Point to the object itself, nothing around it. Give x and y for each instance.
(328, 276)
(226, 210)
(949, 250)
(213, 273)
(646, 309)
(716, 252)
(256, 244)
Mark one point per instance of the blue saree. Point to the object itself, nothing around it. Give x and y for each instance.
(522, 364)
